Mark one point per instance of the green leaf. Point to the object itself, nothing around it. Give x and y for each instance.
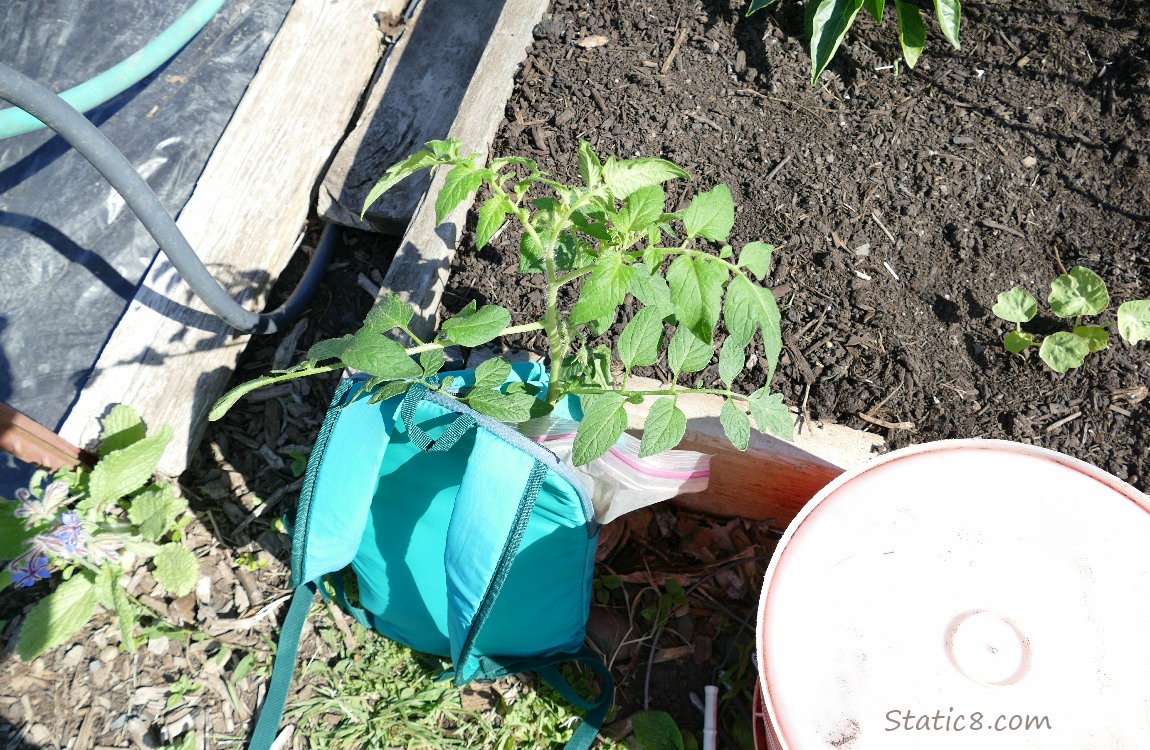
(1096, 337)
(329, 348)
(748, 306)
(653, 258)
(125, 610)
(604, 289)
(664, 429)
(875, 8)
(176, 569)
(57, 617)
(625, 176)
(651, 289)
(1134, 320)
(1080, 292)
(590, 168)
(1016, 341)
(756, 258)
(530, 254)
(726, 252)
(1016, 306)
(107, 579)
(571, 252)
(771, 414)
(387, 390)
(736, 425)
(687, 353)
(476, 330)
(510, 407)
(732, 359)
(641, 209)
(421, 159)
(378, 355)
(120, 428)
(656, 730)
(949, 13)
(590, 226)
(462, 181)
(639, 343)
(710, 214)
(128, 469)
(448, 148)
(492, 373)
(1063, 351)
(757, 5)
(491, 216)
(603, 422)
(911, 31)
(155, 510)
(829, 23)
(697, 293)
(600, 326)
(432, 361)
(390, 312)
(12, 531)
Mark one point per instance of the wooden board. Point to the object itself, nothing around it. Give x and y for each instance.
(168, 357)
(419, 92)
(420, 269)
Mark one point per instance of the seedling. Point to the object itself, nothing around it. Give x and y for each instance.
(612, 235)
(1073, 295)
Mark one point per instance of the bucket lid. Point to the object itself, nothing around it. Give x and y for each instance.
(968, 593)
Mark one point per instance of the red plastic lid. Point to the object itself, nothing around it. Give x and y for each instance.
(959, 594)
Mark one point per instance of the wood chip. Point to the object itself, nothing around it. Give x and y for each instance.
(883, 423)
(590, 42)
(1001, 227)
(782, 163)
(1064, 421)
(674, 654)
(682, 37)
(877, 220)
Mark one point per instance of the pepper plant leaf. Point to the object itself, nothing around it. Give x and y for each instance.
(875, 8)
(949, 14)
(829, 23)
(911, 31)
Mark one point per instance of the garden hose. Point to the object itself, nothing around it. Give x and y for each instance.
(86, 138)
(125, 74)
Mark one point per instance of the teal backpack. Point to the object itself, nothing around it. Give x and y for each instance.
(467, 540)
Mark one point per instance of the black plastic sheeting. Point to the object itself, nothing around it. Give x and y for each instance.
(71, 253)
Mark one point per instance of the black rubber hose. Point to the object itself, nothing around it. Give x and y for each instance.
(86, 138)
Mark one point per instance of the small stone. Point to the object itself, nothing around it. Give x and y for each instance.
(73, 657)
(108, 654)
(1029, 162)
(962, 140)
(589, 42)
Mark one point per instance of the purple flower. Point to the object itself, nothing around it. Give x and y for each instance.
(67, 540)
(27, 571)
(104, 548)
(41, 509)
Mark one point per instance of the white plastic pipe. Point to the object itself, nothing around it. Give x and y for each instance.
(711, 717)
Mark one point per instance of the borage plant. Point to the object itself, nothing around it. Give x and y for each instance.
(1075, 294)
(613, 236)
(92, 528)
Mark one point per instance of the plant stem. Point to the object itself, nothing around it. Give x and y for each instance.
(578, 391)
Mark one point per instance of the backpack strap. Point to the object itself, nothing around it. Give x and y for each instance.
(283, 668)
(596, 710)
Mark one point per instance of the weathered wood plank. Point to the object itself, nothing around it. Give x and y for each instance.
(423, 82)
(168, 357)
(421, 266)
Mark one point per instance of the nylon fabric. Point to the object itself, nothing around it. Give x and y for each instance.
(283, 668)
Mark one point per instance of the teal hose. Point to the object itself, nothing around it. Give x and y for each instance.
(127, 73)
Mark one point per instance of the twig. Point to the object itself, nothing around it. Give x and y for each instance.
(674, 51)
(1001, 227)
(1064, 421)
(883, 423)
(874, 409)
(782, 163)
(877, 220)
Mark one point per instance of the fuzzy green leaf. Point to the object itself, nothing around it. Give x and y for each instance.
(771, 414)
(57, 617)
(511, 407)
(875, 8)
(1080, 292)
(126, 613)
(639, 343)
(1096, 337)
(128, 469)
(1016, 306)
(389, 313)
(462, 181)
(665, 426)
(378, 355)
(736, 425)
(329, 348)
(625, 176)
(749, 306)
(949, 13)
(756, 258)
(155, 511)
(1015, 341)
(641, 209)
(710, 214)
(120, 428)
(1134, 320)
(176, 569)
(911, 31)
(829, 21)
(732, 359)
(12, 532)
(476, 330)
(421, 159)
(651, 289)
(604, 289)
(697, 293)
(491, 216)
(656, 730)
(603, 422)
(687, 353)
(492, 373)
(1063, 351)
(432, 361)
(757, 5)
(590, 168)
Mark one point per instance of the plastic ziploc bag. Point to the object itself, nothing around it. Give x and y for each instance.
(620, 481)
